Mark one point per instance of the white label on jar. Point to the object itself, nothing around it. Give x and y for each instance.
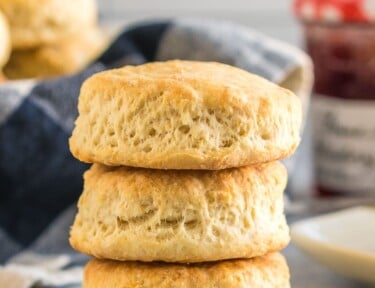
(344, 142)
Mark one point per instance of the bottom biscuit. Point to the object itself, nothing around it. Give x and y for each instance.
(266, 271)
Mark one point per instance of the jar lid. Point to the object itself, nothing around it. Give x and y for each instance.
(335, 11)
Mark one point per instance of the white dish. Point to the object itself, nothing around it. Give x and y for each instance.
(343, 241)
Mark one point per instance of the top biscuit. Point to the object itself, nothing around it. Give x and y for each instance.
(38, 22)
(184, 115)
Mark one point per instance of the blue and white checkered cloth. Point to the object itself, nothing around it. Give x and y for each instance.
(39, 179)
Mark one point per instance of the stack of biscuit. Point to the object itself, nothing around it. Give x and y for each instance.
(186, 189)
(50, 37)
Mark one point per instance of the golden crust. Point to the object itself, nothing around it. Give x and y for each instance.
(5, 45)
(39, 22)
(181, 216)
(267, 271)
(184, 115)
(65, 57)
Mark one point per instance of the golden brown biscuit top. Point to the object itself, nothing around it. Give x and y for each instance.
(217, 83)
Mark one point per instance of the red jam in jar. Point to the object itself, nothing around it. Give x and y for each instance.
(340, 38)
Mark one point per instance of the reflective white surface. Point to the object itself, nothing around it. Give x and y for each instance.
(343, 241)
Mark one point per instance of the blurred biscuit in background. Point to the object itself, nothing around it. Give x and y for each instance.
(5, 46)
(62, 58)
(267, 271)
(39, 22)
(2, 77)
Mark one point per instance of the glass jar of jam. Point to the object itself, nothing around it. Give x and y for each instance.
(340, 38)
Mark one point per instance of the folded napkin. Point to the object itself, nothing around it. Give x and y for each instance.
(39, 178)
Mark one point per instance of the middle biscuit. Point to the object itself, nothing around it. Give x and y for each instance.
(181, 216)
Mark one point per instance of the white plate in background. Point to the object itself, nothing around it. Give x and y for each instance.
(343, 241)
